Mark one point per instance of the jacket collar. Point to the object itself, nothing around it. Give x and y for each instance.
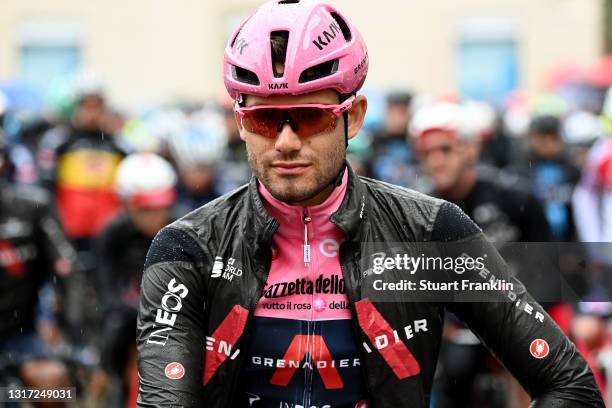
(349, 217)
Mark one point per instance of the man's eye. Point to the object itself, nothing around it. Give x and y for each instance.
(446, 149)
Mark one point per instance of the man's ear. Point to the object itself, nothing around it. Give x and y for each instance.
(241, 130)
(356, 115)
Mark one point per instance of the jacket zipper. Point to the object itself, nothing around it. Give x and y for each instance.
(306, 246)
(311, 324)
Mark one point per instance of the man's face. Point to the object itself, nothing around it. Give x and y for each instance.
(397, 118)
(90, 113)
(444, 159)
(197, 179)
(546, 145)
(149, 220)
(295, 169)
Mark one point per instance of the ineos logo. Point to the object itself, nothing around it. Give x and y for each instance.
(329, 248)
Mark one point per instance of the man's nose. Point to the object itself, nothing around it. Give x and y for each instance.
(287, 140)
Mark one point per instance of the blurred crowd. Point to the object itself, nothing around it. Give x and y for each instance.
(85, 188)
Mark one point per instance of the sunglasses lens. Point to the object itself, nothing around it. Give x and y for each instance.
(311, 121)
(304, 121)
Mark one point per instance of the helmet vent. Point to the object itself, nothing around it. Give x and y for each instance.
(319, 71)
(278, 51)
(288, 1)
(244, 75)
(346, 32)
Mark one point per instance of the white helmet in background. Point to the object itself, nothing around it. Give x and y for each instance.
(467, 125)
(442, 116)
(88, 83)
(582, 128)
(201, 143)
(145, 180)
(478, 120)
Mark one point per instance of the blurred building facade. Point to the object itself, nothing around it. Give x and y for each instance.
(155, 51)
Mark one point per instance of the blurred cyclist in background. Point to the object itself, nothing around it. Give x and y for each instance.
(236, 170)
(593, 196)
(33, 252)
(391, 157)
(146, 184)
(197, 151)
(448, 146)
(552, 175)
(448, 156)
(77, 164)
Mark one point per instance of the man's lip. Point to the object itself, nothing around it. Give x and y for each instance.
(291, 165)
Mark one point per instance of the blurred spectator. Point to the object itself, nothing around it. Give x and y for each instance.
(146, 184)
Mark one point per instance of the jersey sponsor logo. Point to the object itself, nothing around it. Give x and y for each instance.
(321, 357)
(386, 340)
(327, 36)
(221, 343)
(539, 348)
(174, 371)
(165, 317)
(217, 268)
(329, 248)
(332, 285)
(224, 270)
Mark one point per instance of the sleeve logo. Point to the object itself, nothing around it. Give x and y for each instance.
(174, 371)
(539, 348)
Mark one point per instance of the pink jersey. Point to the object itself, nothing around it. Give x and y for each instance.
(302, 351)
(305, 280)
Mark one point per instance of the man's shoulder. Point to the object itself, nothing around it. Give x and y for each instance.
(416, 211)
(404, 194)
(214, 213)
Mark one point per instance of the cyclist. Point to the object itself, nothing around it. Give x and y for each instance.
(33, 251)
(552, 175)
(197, 151)
(146, 184)
(392, 158)
(448, 152)
(448, 148)
(231, 313)
(78, 164)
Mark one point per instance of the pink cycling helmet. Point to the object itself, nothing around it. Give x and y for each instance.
(324, 51)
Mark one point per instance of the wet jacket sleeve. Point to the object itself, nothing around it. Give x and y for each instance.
(516, 329)
(170, 333)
